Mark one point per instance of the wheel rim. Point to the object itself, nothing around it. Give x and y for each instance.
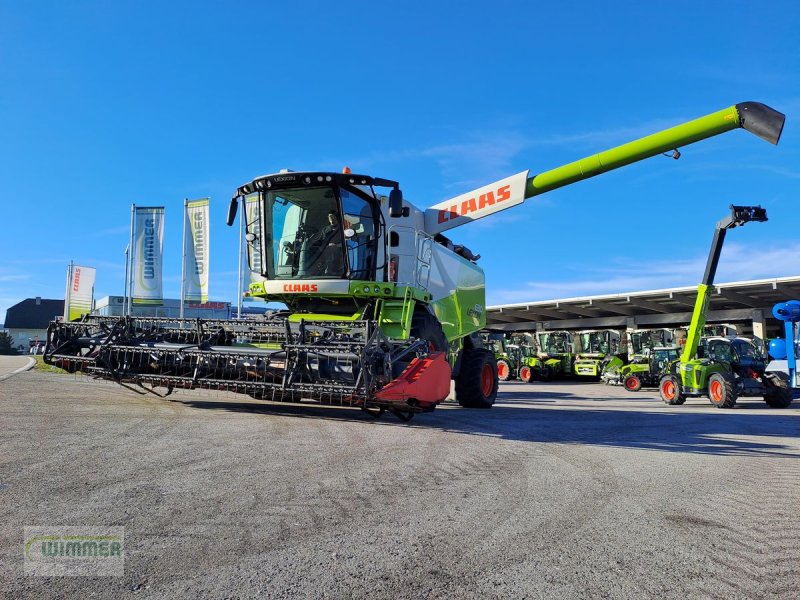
(502, 369)
(717, 391)
(525, 374)
(487, 380)
(630, 383)
(668, 389)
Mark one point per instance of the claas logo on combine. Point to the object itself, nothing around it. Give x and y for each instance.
(300, 287)
(474, 204)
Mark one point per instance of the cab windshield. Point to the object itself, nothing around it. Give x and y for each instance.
(554, 343)
(311, 233)
(595, 342)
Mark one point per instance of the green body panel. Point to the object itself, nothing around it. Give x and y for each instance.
(633, 369)
(464, 311)
(588, 365)
(559, 365)
(613, 366)
(657, 143)
(297, 317)
(694, 374)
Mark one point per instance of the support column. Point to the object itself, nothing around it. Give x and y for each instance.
(759, 325)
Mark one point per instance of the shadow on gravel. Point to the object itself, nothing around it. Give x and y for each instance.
(650, 425)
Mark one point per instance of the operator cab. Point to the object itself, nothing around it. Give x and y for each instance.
(737, 351)
(662, 357)
(312, 225)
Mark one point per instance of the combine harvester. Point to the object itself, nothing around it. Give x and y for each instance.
(383, 310)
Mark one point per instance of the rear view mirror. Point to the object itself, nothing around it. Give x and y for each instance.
(232, 208)
(395, 203)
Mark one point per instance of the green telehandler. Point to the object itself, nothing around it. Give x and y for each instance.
(646, 368)
(722, 368)
(382, 310)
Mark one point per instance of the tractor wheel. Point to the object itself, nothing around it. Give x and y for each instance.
(503, 370)
(671, 391)
(632, 383)
(545, 374)
(722, 390)
(778, 392)
(525, 374)
(425, 326)
(476, 384)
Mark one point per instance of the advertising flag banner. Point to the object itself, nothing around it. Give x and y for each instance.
(196, 251)
(80, 292)
(253, 220)
(148, 247)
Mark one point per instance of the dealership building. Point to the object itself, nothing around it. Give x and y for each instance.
(745, 304)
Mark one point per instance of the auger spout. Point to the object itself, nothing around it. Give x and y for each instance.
(757, 118)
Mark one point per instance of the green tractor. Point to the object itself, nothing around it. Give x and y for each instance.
(529, 358)
(506, 353)
(646, 369)
(596, 348)
(722, 368)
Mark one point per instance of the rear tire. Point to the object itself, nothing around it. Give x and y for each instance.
(503, 370)
(632, 383)
(778, 391)
(722, 390)
(476, 384)
(525, 374)
(671, 391)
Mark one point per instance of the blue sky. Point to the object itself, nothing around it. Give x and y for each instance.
(107, 103)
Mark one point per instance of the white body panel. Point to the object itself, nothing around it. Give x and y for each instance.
(476, 204)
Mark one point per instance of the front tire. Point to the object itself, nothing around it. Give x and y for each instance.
(425, 326)
(632, 383)
(671, 391)
(778, 392)
(477, 382)
(525, 373)
(721, 390)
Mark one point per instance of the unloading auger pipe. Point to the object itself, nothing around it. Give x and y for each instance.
(755, 117)
(759, 119)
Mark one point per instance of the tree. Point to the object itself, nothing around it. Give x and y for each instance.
(6, 343)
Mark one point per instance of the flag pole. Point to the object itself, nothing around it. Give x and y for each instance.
(241, 250)
(125, 297)
(129, 291)
(183, 260)
(68, 292)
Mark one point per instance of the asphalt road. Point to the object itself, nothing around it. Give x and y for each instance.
(560, 491)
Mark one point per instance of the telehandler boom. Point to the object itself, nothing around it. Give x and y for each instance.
(728, 367)
(383, 310)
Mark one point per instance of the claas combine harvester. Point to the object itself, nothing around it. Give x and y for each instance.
(382, 309)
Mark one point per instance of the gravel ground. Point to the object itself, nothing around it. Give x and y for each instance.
(562, 490)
